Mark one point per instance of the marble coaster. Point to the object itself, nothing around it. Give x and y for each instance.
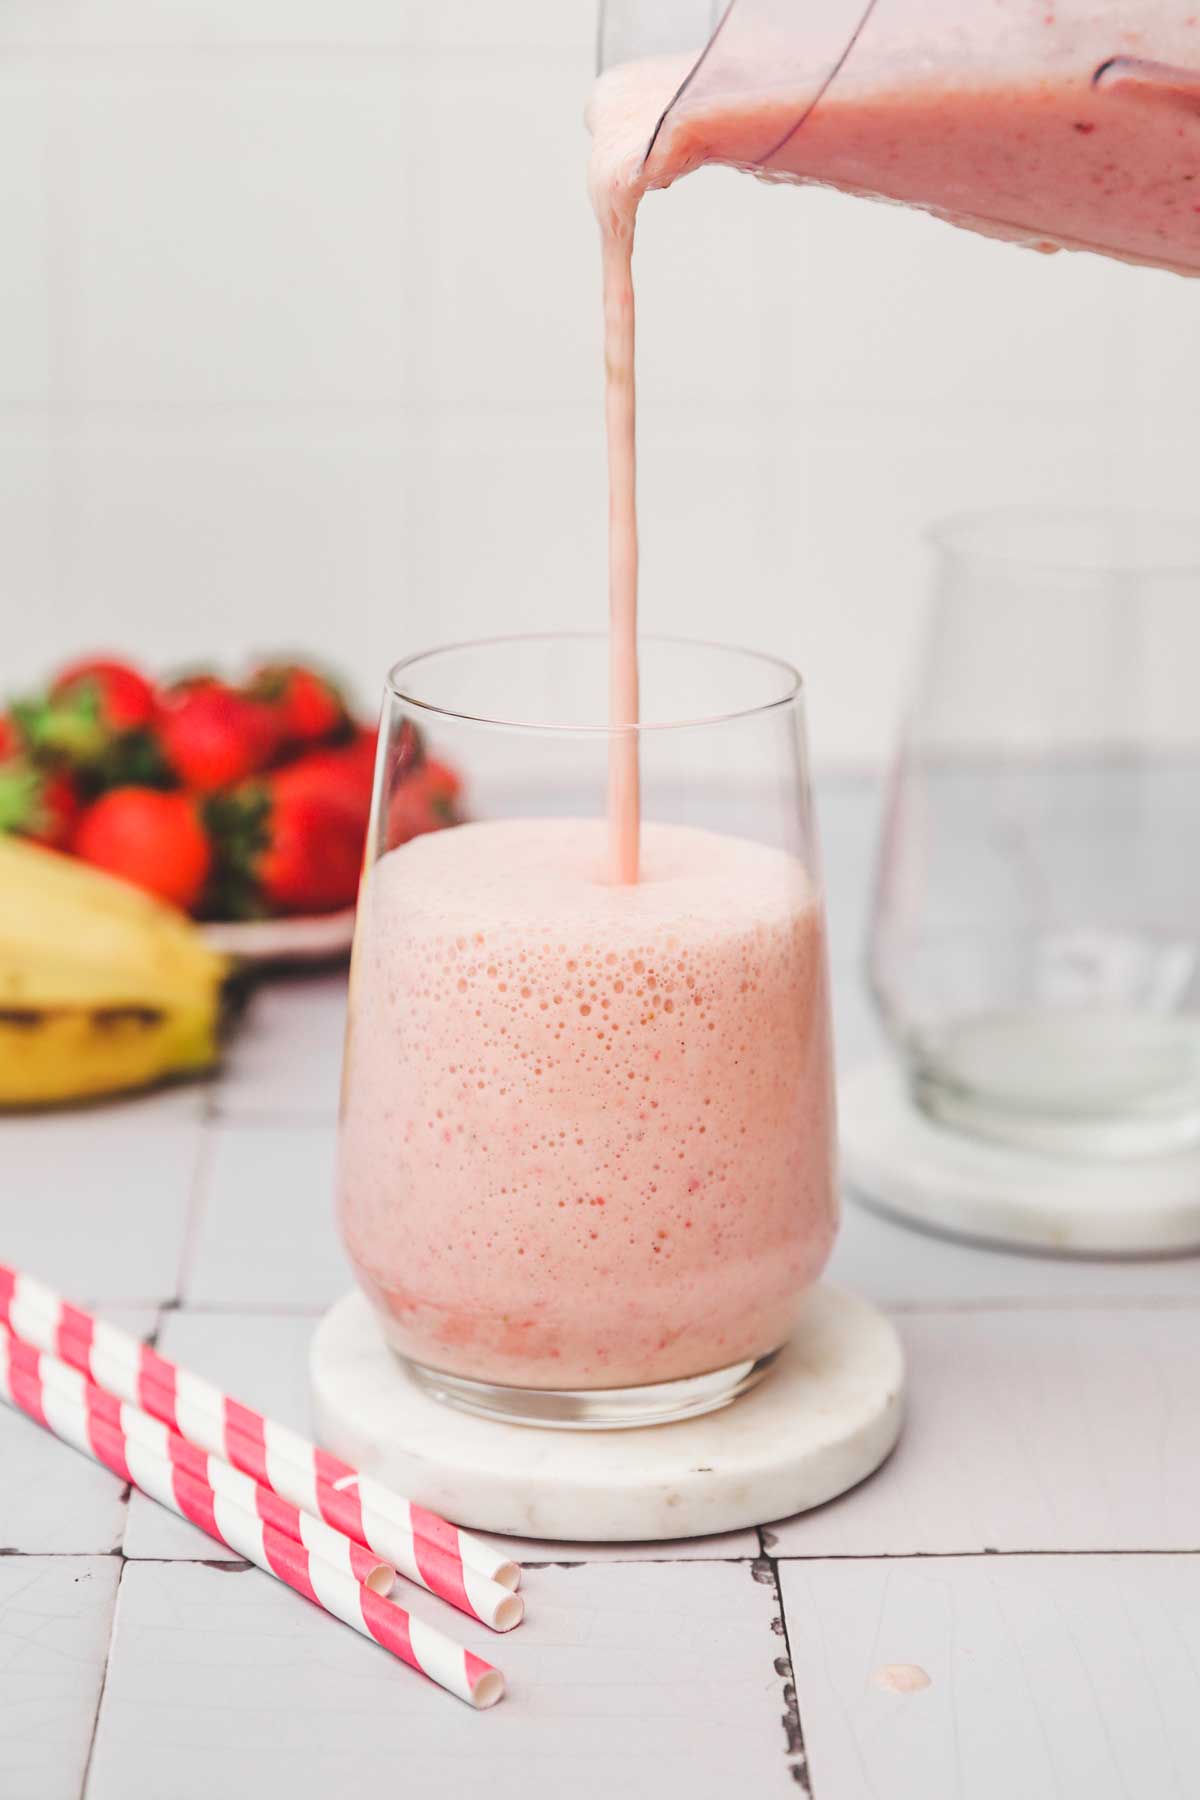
(896, 1158)
(825, 1416)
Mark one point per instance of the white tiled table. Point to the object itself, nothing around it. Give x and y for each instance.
(1034, 1544)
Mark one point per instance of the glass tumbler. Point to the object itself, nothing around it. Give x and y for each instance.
(586, 1149)
(1034, 952)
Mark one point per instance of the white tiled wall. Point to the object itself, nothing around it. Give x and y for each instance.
(299, 341)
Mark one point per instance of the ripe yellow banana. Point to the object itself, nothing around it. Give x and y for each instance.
(101, 986)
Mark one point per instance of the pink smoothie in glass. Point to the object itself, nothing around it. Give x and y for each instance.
(587, 1134)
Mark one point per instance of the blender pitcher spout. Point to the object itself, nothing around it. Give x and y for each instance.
(715, 49)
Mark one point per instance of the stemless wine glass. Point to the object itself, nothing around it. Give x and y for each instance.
(586, 1159)
(1037, 920)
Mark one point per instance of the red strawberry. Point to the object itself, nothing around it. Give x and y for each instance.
(291, 842)
(126, 701)
(187, 681)
(346, 771)
(155, 840)
(426, 800)
(214, 737)
(97, 717)
(10, 738)
(309, 708)
(37, 803)
(314, 850)
(362, 748)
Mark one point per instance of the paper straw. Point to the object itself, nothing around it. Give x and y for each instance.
(90, 1410)
(92, 1403)
(328, 1533)
(395, 1528)
(421, 1646)
(419, 1559)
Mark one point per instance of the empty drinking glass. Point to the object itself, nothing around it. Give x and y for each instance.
(1034, 952)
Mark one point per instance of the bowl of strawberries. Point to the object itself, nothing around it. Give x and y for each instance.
(243, 803)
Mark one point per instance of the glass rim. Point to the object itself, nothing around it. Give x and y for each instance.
(397, 689)
(978, 532)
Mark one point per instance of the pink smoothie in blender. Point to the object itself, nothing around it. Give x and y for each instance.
(1060, 123)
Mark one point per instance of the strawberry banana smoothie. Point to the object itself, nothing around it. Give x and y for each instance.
(587, 1128)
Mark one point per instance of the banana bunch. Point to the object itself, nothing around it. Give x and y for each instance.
(101, 986)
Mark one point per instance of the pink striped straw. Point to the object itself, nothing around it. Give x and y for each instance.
(417, 1558)
(93, 1403)
(329, 1535)
(457, 1670)
(399, 1530)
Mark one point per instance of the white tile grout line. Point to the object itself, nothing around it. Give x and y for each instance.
(766, 1570)
(108, 1656)
(652, 1562)
(193, 1217)
(118, 1552)
(263, 1117)
(830, 1556)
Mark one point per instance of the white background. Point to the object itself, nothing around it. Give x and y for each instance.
(299, 343)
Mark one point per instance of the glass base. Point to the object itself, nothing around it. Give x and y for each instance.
(1080, 1136)
(1096, 1084)
(594, 1409)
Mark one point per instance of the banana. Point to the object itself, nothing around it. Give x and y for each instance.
(102, 987)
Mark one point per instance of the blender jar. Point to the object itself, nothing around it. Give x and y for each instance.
(1072, 126)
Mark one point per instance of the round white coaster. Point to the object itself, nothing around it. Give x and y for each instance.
(898, 1159)
(823, 1418)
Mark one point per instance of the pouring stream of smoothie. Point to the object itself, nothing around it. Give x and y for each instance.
(616, 179)
(624, 800)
